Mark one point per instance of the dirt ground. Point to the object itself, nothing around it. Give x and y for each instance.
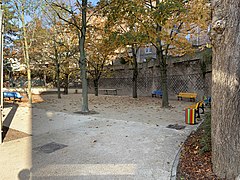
(143, 109)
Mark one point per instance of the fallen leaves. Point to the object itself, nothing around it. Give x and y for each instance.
(193, 164)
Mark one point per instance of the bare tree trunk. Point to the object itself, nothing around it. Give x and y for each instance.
(135, 71)
(163, 72)
(226, 88)
(82, 62)
(95, 81)
(163, 66)
(26, 52)
(58, 79)
(44, 78)
(66, 76)
(66, 84)
(163, 69)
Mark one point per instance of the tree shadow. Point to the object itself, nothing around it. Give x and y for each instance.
(8, 120)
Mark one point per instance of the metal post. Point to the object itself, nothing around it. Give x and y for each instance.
(1, 71)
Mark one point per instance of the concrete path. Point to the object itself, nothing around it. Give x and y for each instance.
(15, 156)
(88, 147)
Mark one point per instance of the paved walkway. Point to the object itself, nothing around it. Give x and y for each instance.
(88, 147)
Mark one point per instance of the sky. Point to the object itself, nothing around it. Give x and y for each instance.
(94, 1)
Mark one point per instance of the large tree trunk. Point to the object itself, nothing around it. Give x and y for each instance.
(82, 62)
(95, 81)
(135, 71)
(66, 84)
(226, 88)
(163, 72)
(163, 66)
(57, 67)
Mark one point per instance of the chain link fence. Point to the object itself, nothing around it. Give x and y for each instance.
(145, 85)
(186, 83)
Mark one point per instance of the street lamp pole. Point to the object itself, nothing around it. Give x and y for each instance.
(1, 71)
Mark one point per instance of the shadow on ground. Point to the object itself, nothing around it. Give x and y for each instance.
(9, 134)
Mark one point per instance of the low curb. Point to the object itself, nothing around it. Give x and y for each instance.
(177, 157)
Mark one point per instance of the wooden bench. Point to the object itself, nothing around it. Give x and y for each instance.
(156, 93)
(191, 96)
(107, 91)
(197, 106)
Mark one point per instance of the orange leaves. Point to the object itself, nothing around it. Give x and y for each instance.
(100, 46)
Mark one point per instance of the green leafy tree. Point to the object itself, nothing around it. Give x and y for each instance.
(100, 47)
(58, 48)
(70, 51)
(166, 24)
(54, 52)
(77, 17)
(11, 28)
(36, 51)
(129, 33)
(24, 8)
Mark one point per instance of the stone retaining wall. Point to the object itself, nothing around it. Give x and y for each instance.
(184, 74)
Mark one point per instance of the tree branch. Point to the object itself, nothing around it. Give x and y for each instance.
(67, 10)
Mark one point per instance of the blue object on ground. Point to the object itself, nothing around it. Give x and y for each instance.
(156, 93)
(14, 95)
(207, 101)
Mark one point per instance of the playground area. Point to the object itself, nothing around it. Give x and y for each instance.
(143, 109)
(122, 138)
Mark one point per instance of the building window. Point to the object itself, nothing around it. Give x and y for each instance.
(188, 37)
(148, 49)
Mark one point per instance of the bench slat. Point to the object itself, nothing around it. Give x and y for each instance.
(187, 95)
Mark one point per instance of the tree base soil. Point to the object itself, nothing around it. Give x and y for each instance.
(195, 163)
